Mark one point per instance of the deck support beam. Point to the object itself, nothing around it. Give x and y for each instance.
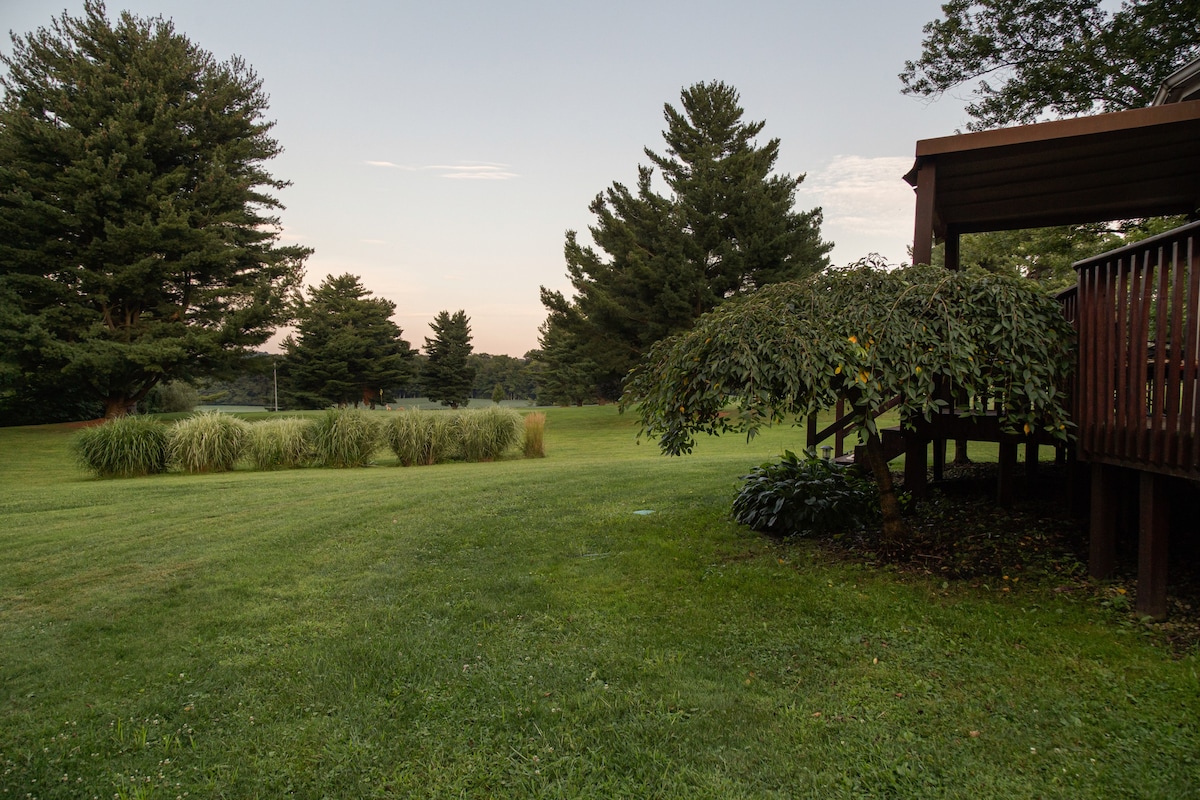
(1008, 466)
(1105, 510)
(916, 462)
(1152, 546)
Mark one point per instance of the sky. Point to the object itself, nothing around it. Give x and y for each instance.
(441, 150)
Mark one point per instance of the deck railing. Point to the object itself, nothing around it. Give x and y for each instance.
(1138, 317)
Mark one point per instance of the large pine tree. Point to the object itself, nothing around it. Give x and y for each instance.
(447, 375)
(347, 348)
(138, 242)
(728, 226)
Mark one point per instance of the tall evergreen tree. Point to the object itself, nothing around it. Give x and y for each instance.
(347, 350)
(137, 237)
(447, 374)
(566, 372)
(659, 262)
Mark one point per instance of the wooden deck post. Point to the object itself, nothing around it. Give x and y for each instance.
(916, 462)
(1008, 465)
(925, 216)
(1105, 509)
(1152, 546)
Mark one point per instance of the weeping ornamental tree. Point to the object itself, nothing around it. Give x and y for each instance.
(865, 334)
(138, 241)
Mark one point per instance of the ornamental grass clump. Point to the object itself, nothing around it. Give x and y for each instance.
(443, 437)
(797, 495)
(279, 444)
(207, 442)
(124, 447)
(344, 437)
(487, 434)
(407, 433)
(423, 437)
(535, 431)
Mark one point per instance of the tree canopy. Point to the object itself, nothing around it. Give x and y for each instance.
(865, 334)
(447, 374)
(347, 348)
(1026, 60)
(138, 241)
(727, 226)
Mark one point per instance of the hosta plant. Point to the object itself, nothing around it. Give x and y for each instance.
(799, 495)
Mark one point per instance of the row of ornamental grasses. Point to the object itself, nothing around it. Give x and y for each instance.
(215, 442)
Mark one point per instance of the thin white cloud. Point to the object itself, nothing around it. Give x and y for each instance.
(373, 241)
(388, 164)
(474, 171)
(466, 171)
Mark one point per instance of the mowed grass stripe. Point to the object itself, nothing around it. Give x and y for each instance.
(513, 629)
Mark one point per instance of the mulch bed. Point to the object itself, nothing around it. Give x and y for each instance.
(961, 534)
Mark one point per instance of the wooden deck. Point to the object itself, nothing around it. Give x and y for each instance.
(1139, 326)
(1137, 399)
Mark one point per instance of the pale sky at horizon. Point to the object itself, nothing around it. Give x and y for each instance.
(440, 151)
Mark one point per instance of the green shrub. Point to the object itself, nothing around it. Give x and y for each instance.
(344, 437)
(208, 442)
(805, 495)
(124, 447)
(487, 434)
(535, 434)
(281, 443)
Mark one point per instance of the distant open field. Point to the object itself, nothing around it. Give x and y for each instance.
(518, 629)
(408, 402)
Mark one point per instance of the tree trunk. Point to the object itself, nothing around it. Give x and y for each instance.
(118, 406)
(960, 453)
(895, 530)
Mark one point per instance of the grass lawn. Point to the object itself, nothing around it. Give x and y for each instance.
(515, 629)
